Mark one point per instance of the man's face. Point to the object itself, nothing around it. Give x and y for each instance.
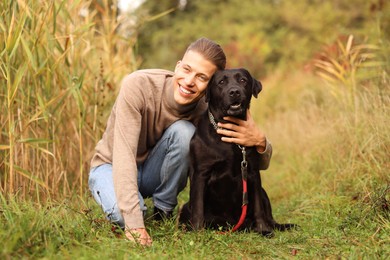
(192, 75)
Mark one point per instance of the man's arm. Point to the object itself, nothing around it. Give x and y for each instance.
(265, 154)
(126, 134)
(247, 133)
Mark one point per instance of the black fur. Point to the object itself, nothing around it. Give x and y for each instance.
(215, 175)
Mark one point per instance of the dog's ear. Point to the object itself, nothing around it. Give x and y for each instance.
(256, 87)
(208, 89)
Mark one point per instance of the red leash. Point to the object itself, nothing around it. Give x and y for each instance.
(244, 173)
(243, 208)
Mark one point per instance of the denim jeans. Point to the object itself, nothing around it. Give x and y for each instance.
(162, 176)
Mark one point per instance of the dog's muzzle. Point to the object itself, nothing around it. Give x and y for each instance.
(236, 102)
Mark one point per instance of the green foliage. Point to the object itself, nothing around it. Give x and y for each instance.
(260, 35)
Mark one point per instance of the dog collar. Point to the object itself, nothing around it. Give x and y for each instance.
(212, 121)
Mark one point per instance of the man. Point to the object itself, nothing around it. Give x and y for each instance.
(144, 151)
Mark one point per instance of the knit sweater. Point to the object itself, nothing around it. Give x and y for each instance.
(144, 108)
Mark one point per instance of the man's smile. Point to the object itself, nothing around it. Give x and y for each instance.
(185, 91)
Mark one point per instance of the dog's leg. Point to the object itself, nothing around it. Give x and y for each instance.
(192, 212)
(197, 191)
(184, 215)
(262, 208)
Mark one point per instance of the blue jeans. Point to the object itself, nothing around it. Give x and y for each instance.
(162, 176)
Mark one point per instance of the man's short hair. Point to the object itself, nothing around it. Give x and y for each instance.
(210, 51)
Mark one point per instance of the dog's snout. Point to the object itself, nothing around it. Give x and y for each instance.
(234, 93)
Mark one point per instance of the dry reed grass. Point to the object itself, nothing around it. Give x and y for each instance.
(339, 141)
(59, 73)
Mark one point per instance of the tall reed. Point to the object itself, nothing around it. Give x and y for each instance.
(61, 63)
(345, 65)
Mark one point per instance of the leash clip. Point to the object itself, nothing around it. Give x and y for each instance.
(244, 163)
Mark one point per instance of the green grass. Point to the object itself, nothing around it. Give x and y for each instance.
(331, 226)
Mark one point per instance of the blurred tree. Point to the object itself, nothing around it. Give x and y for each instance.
(260, 34)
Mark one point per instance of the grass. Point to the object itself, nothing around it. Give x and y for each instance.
(329, 172)
(60, 65)
(331, 227)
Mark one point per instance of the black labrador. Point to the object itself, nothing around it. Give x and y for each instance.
(216, 174)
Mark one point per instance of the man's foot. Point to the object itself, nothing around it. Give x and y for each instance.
(160, 214)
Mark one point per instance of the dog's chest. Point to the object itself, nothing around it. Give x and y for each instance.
(227, 164)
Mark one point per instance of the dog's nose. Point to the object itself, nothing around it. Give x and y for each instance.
(234, 93)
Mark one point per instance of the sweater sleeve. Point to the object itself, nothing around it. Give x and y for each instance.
(265, 157)
(127, 129)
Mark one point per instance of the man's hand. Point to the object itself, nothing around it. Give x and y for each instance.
(139, 235)
(245, 133)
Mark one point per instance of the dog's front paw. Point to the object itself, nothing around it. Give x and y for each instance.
(197, 225)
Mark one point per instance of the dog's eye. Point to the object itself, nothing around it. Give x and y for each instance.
(243, 80)
(221, 82)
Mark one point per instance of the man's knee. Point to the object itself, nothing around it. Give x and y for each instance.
(182, 132)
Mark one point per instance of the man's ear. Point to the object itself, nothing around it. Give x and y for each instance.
(256, 87)
(177, 65)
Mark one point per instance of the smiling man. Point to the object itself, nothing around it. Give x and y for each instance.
(144, 149)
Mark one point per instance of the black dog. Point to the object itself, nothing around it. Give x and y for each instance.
(216, 175)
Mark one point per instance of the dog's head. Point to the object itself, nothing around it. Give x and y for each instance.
(229, 93)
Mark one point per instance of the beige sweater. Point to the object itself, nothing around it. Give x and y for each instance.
(144, 108)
